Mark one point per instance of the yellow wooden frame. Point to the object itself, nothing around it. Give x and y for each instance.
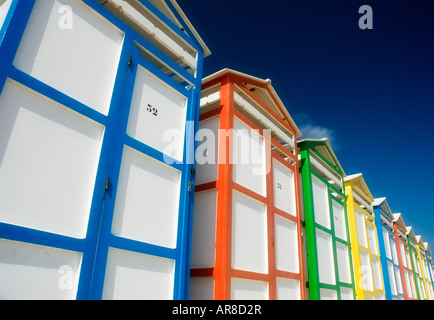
(352, 205)
(422, 260)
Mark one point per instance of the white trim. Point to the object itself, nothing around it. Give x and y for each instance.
(266, 82)
(386, 221)
(129, 11)
(178, 9)
(210, 99)
(324, 170)
(362, 201)
(263, 119)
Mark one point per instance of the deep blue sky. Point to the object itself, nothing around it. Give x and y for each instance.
(370, 91)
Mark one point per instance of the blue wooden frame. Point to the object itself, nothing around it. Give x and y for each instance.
(383, 257)
(430, 266)
(99, 238)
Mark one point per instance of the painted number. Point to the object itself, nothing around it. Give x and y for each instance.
(152, 110)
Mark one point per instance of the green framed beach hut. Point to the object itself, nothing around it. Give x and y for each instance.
(330, 271)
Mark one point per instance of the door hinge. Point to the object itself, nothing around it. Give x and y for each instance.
(190, 186)
(129, 60)
(107, 183)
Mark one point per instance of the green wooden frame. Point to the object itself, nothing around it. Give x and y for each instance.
(307, 147)
(412, 249)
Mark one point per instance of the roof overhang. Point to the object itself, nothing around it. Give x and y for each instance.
(326, 151)
(206, 51)
(253, 81)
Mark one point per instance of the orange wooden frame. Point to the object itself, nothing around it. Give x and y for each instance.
(222, 270)
(402, 256)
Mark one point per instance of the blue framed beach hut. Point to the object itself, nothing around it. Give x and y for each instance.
(98, 105)
(429, 261)
(393, 286)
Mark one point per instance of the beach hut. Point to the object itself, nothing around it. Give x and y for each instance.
(429, 262)
(330, 270)
(413, 246)
(364, 242)
(393, 285)
(424, 272)
(246, 230)
(95, 182)
(405, 263)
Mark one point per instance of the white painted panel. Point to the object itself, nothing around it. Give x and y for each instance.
(361, 228)
(392, 280)
(343, 261)
(394, 251)
(425, 268)
(431, 268)
(158, 114)
(284, 188)
(147, 200)
(421, 287)
(243, 289)
(326, 265)
(136, 276)
(379, 296)
(407, 256)
(413, 286)
(286, 244)
(346, 293)
(4, 8)
(402, 252)
(407, 284)
(48, 162)
(320, 202)
(386, 241)
(398, 280)
(249, 234)
(366, 271)
(32, 272)
(327, 294)
(372, 236)
(73, 49)
(430, 291)
(369, 297)
(287, 289)
(416, 262)
(207, 151)
(339, 221)
(377, 273)
(249, 158)
(201, 288)
(204, 229)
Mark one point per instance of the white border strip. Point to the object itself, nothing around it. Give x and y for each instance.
(210, 99)
(324, 170)
(158, 34)
(263, 119)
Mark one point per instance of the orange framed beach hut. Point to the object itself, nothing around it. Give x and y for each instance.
(246, 240)
(404, 258)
